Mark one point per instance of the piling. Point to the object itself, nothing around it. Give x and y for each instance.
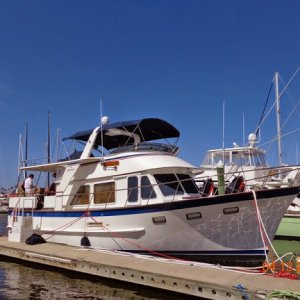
(220, 174)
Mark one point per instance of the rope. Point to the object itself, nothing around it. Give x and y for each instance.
(265, 106)
(260, 225)
(264, 233)
(134, 244)
(52, 233)
(244, 270)
(283, 295)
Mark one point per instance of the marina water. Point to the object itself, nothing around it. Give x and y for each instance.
(23, 281)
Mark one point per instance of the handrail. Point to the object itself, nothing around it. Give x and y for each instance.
(91, 195)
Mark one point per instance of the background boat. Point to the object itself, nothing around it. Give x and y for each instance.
(250, 163)
(3, 205)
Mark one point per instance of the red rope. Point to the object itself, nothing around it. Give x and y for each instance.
(286, 275)
(86, 213)
(259, 223)
(137, 245)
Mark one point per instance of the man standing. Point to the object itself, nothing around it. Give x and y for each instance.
(28, 185)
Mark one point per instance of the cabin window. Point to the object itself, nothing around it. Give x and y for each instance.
(168, 184)
(82, 196)
(133, 189)
(259, 160)
(104, 193)
(188, 183)
(147, 191)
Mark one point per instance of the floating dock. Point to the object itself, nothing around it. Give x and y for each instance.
(182, 277)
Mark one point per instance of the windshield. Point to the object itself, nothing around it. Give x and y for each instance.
(171, 184)
(241, 157)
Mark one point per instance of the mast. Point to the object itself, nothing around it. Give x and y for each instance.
(244, 143)
(48, 148)
(278, 119)
(20, 158)
(57, 144)
(223, 133)
(26, 148)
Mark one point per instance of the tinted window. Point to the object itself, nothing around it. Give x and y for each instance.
(147, 191)
(188, 183)
(132, 189)
(168, 184)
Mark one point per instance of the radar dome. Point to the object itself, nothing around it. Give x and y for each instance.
(252, 139)
(104, 120)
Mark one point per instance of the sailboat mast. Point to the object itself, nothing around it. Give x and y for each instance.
(48, 148)
(26, 148)
(20, 156)
(278, 120)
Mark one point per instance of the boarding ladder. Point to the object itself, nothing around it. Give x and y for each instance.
(20, 225)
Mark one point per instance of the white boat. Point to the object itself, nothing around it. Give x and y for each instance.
(250, 163)
(140, 197)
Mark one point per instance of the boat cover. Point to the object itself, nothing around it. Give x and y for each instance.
(148, 129)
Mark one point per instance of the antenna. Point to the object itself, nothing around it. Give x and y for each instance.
(244, 129)
(223, 138)
(57, 143)
(48, 148)
(101, 127)
(278, 120)
(20, 155)
(297, 157)
(26, 148)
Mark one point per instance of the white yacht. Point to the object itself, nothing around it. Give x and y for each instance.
(249, 162)
(137, 195)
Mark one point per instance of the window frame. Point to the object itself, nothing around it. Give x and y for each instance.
(112, 193)
(81, 194)
(146, 188)
(133, 191)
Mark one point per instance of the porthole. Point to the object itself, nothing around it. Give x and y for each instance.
(159, 220)
(230, 210)
(194, 216)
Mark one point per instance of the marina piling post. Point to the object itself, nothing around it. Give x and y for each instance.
(220, 173)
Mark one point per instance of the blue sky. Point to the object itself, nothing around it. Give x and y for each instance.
(176, 60)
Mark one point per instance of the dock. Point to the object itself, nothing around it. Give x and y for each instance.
(182, 277)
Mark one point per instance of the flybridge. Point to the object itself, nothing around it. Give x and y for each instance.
(127, 133)
(126, 136)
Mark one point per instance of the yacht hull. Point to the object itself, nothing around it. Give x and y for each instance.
(219, 228)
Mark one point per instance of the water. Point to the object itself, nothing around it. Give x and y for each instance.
(33, 282)
(20, 281)
(24, 282)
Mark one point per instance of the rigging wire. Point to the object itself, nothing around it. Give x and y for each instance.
(264, 109)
